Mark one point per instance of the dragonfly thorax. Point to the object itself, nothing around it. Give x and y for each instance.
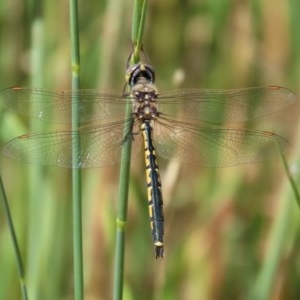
(144, 96)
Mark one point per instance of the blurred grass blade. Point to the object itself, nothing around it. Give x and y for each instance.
(137, 33)
(263, 286)
(37, 184)
(17, 252)
(291, 180)
(76, 172)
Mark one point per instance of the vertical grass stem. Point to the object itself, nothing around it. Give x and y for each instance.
(76, 173)
(139, 13)
(16, 248)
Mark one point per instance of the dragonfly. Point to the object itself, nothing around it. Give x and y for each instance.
(184, 125)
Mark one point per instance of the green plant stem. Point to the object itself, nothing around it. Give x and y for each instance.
(122, 214)
(139, 14)
(76, 173)
(16, 248)
(291, 180)
(138, 24)
(263, 286)
(36, 173)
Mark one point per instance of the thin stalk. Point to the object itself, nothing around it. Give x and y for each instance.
(139, 13)
(138, 24)
(16, 248)
(291, 180)
(262, 288)
(37, 182)
(76, 173)
(122, 214)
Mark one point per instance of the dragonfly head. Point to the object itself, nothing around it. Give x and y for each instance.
(140, 71)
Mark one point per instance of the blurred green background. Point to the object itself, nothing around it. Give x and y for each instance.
(231, 233)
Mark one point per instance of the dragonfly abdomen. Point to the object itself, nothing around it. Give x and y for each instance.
(155, 199)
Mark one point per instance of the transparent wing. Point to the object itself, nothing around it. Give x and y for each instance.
(231, 105)
(214, 146)
(200, 105)
(56, 106)
(99, 146)
(181, 136)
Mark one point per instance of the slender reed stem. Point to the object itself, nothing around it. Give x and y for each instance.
(37, 182)
(291, 180)
(122, 215)
(138, 24)
(139, 13)
(16, 248)
(76, 173)
(262, 288)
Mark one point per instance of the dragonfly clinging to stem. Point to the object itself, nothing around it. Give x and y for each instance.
(182, 125)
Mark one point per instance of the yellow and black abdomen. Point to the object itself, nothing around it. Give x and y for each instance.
(155, 199)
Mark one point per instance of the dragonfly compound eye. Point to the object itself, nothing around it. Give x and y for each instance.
(140, 71)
